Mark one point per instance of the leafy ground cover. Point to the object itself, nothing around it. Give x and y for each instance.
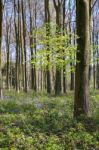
(40, 122)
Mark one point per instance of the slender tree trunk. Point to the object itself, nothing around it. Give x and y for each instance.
(35, 46)
(58, 32)
(7, 50)
(70, 42)
(94, 65)
(24, 45)
(17, 46)
(19, 43)
(1, 16)
(64, 66)
(90, 32)
(31, 47)
(47, 22)
(97, 74)
(22, 56)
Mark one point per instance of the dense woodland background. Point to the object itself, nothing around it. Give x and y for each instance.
(49, 68)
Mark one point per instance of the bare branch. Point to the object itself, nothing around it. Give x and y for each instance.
(94, 5)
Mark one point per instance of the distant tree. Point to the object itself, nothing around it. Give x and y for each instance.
(47, 23)
(64, 66)
(12, 73)
(1, 17)
(31, 43)
(8, 40)
(24, 43)
(16, 45)
(58, 6)
(97, 75)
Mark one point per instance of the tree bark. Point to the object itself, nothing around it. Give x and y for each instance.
(64, 66)
(1, 16)
(81, 106)
(97, 74)
(57, 6)
(24, 45)
(47, 23)
(31, 47)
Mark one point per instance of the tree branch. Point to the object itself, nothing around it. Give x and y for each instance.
(55, 4)
(94, 4)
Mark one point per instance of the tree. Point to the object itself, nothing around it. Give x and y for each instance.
(8, 30)
(64, 66)
(57, 6)
(81, 74)
(97, 75)
(31, 43)
(1, 16)
(47, 22)
(70, 30)
(24, 43)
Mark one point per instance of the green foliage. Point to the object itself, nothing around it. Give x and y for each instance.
(38, 122)
(55, 46)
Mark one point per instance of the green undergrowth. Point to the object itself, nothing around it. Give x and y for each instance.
(35, 121)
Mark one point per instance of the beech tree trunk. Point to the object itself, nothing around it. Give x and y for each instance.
(17, 46)
(8, 26)
(97, 74)
(31, 43)
(24, 44)
(47, 22)
(81, 75)
(1, 15)
(35, 44)
(64, 66)
(57, 6)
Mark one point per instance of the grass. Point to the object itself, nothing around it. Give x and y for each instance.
(35, 121)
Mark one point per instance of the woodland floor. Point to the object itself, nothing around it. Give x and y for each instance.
(35, 121)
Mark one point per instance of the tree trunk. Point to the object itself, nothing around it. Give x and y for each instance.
(31, 47)
(24, 45)
(17, 46)
(1, 16)
(94, 65)
(81, 106)
(58, 32)
(97, 74)
(64, 66)
(47, 22)
(8, 53)
(35, 46)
